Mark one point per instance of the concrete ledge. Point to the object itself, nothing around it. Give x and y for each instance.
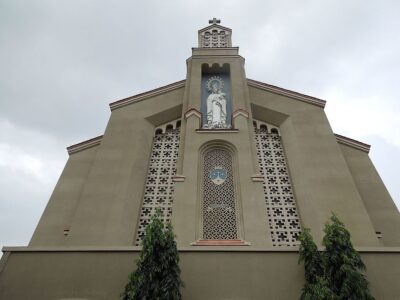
(232, 51)
(178, 178)
(84, 145)
(220, 243)
(240, 112)
(185, 249)
(257, 178)
(352, 143)
(217, 130)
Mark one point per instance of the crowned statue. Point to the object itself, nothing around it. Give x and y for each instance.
(216, 104)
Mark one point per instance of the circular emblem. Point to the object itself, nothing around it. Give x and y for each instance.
(218, 175)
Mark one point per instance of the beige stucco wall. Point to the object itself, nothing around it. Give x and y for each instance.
(110, 202)
(100, 192)
(61, 208)
(209, 275)
(377, 200)
(320, 175)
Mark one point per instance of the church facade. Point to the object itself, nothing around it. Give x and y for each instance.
(238, 166)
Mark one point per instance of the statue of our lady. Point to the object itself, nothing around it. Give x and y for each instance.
(216, 104)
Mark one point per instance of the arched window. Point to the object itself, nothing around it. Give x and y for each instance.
(274, 131)
(254, 124)
(264, 127)
(178, 124)
(169, 128)
(218, 195)
(158, 131)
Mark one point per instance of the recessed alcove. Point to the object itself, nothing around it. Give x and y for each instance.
(215, 68)
(216, 96)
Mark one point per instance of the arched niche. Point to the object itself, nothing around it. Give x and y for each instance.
(219, 197)
(215, 68)
(216, 96)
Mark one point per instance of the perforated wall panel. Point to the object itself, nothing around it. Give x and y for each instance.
(159, 184)
(219, 213)
(282, 216)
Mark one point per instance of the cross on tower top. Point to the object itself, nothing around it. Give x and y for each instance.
(215, 35)
(214, 21)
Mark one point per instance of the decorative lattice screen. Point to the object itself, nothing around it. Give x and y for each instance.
(219, 214)
(214, 39)
(282, 213)
(159, 185)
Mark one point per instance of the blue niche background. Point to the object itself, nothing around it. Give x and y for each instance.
(204, 95)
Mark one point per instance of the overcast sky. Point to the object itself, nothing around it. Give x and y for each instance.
(62, 62)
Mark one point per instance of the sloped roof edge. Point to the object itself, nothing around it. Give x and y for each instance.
(352, 143)
(215, 25)
(285, 92)
(84, 145)
(148, 94)
(251, 82)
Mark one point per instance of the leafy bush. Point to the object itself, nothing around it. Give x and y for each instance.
(157, 275)
(336, 272)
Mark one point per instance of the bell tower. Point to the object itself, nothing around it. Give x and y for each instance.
(217, 161)
(215, 35)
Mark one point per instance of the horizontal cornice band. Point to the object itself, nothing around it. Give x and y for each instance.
(84, 145)
(352, 143)
(185, 249)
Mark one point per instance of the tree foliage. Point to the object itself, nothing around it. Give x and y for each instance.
(316, 286)
(335, 273)
(343, 263)
(157, 275)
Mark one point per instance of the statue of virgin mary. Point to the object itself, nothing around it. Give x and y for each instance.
(216, 104)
